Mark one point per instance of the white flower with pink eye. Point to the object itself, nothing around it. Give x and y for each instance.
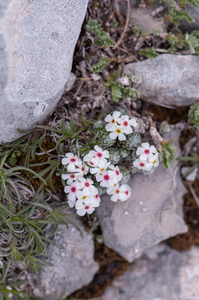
(112, 120)
(145, 151)
(88, 158)
(125, 192)
(154, 160)
(115, 173)
(82, 169)
(115, 192)
(72, 161)
(102, 165)
(99, 155)
(69, 177)
(97, 201)
(83, 208)
(142, 165)
(88, 187)
(105, 179)
(72, 190)
(126, 124)
(117, 132)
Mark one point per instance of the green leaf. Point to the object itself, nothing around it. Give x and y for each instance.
(149, 52)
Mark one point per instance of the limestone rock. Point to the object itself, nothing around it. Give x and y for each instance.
(37, 40)
(148, 217)
(73, 262)
(168, 80)
(160, 274)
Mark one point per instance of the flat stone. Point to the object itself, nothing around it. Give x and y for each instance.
(148, 217)
(37, 40)
(160, 274)
(168, 80)
(73, 262)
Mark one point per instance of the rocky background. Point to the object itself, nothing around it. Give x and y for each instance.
(147, 247)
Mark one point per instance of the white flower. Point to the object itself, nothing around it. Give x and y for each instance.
(72, 161)
(72, 190)
(88, 157)
(112, 120)
(117, 131)
(142, 164)
(97, 200)
(82, 209)
(125, 192)
(88, 187)
(102, 165)
(115, 192)
(154, 160)
(119, 193)
(105, 179)
(115, 173)
(70, 177)
(82, 197)
(145, 151)
(82, 169)
(126, 124)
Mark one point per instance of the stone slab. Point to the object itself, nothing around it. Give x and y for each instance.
(168, 80)
(160, 274)
(37, 40)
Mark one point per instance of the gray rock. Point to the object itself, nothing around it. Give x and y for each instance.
(148, 217)
(37, 40)
(160, 274)
(73, 262)
(194, 13)
(168, 80)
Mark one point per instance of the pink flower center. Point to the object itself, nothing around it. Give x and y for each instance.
(87, 184)
(99, 154)
(83, 169)
(127, 192)
(106, 177)
(117, 172)
(91, 163)
(73, 189)
(125, 123)
(146, 151)
(86, 207)
(72, 159)
(141, 164)
(72, 176)
(96, 196)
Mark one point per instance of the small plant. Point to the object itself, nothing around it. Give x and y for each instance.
(98, 67)
(94, 172)
(96, 28)
(118, 90)
(176, 12)
(149, 53)
(167, 153)
(194, 116)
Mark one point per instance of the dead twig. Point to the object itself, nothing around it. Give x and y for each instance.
(79, 88)
(193, 192)
(126, 24)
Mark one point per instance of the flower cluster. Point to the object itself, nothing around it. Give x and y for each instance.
(119, 125)
(82, 193)
(148, 157)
